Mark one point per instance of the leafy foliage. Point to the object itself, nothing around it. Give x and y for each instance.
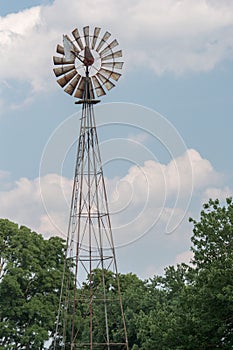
(190, 307)
(195, 307)
(30, 277)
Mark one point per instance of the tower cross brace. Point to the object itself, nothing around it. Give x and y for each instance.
(90, 314)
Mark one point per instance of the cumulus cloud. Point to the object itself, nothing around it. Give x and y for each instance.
(163, 35)
(139, 200)
(156, 182)
(24, 204)
(141, 205)
(158, 193)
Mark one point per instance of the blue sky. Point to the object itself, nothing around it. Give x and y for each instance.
(178, 61)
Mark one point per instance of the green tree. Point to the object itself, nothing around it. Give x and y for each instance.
(190, 307)
(213, 265)
(30, 277)
(193, 305)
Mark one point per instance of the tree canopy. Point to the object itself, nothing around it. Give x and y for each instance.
(30, 277)
(189, 307)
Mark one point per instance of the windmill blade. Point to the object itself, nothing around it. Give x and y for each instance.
(72, 85)
(103, 41)
(109, 48)
(98, 88)
(114, 65)
(66, 78)
(60, 49)
(62, 70)
(86, 35)
(91, 89)
(107, 83)
(78, 83)
(80, 89)
(95, 37)
(69, 48)
(113, 55)
(61, 60)
(109, 74)
(78, 38)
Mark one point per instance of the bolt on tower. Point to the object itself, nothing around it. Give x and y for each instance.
(90, 314)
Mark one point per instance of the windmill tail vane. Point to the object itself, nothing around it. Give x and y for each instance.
(90, 311)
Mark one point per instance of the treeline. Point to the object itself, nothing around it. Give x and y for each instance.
(189, 307)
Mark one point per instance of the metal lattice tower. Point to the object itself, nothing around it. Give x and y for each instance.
(90, 312)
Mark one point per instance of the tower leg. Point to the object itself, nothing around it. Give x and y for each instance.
(90, 312)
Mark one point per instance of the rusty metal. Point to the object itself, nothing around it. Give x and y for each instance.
(72, 85)
(60, 49)
(117, 65)
(95, 37)
(112, 56)
(90, 244)
(61, 60)
(86, 35)
(103, 41)
(109, 48)
(78, 39)
(98, 88)
(109, 74)
(85, 51)
(80, 89)
(62, 70)
(66, 78)
(107, 83)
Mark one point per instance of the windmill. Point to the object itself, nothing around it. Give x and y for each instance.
(90, 317)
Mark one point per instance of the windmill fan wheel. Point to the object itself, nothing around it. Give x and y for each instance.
(93, 57)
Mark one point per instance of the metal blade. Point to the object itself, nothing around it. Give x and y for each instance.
(115, 76)
(95, 36)
(109, 74)
(61, 60)
(98, 88)
(91, 89)
(66, 78)
(78, 39)
(62, 70)
(72, 85)
(109, 48)
(80, 89)
(113, 55)
(103, 41)
(86, 35)
(107, 83)
(116, 65)
(69, 48)
(60, 49)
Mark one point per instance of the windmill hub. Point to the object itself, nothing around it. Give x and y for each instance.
(88, 57)
(93, 64)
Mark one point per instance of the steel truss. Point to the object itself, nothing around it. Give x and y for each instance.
(91, 310)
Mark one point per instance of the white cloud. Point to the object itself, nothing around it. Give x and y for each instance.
(22, 203)
(20, 23)
(136, 203)
(163, 35)
(21, 49)
(184, 257)
(217, 193)
(156, 181)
